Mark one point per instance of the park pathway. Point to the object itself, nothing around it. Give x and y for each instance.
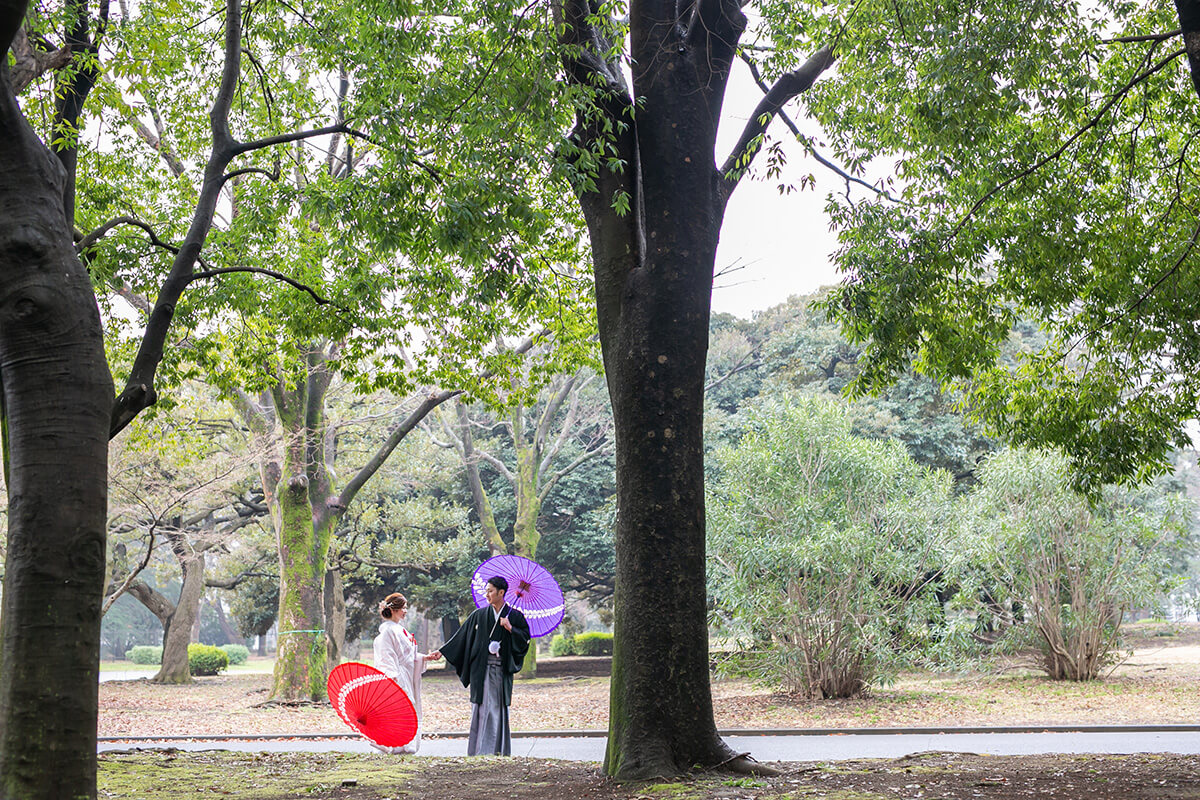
(764, 746)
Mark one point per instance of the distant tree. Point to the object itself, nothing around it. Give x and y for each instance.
(254, 607)
(178, 484)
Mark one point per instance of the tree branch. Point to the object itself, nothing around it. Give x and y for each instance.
(816, 154)
(29, 63)
(1149, 37)
(274, 176)
(279, 276)
(1095, 120)
(241, 148)
(90, 239)
(786, 88)
(568, 469)
(139, 392)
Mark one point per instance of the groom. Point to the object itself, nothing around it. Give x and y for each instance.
(486, 652)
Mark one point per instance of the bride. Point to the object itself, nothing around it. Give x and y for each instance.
(396, 656)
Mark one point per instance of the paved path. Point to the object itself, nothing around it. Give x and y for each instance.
(808, 747)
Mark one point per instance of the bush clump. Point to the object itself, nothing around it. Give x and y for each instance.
(204, 659)
(144, 654)
(238, 653)
(593, 644)
(562, 645)
(585, 644)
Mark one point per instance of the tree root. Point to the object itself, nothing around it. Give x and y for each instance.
(289, 703)
(743, 764)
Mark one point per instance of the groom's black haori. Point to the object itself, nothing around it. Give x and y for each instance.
(488, 675)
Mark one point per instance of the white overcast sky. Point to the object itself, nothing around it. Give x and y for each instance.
(781, 242)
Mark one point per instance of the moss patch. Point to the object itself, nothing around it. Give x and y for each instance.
(254, 776)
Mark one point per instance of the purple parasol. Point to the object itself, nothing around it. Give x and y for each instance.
(531, 589)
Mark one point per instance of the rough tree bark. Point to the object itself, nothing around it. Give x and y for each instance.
(56, 392)
(654, 260)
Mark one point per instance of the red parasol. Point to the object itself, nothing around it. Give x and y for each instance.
(531, 588)
(372, 703)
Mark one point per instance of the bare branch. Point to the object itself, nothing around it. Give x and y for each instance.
(90, 239)
(274, 176)
(1149, 37)
(295, 136)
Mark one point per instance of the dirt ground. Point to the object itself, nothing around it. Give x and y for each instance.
(924, 776)
(1157, 685)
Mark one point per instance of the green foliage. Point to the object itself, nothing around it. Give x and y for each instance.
(145, 654)
(1059, 569)
(237, 653)
(204, 659)
(595, 643)
(796, 347)
(255, 605)
(1043, 171)
(826, 550)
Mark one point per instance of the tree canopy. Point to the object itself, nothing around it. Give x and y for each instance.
(1041, 156)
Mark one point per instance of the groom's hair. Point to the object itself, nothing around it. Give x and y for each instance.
(498, 582)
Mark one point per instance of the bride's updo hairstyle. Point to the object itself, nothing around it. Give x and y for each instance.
(393, 602)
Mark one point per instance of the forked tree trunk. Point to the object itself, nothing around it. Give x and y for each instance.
(178, 627)
(56, 394)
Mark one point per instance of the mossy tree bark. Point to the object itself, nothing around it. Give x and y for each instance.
(306, 506)
(654, 225)
(55, 397)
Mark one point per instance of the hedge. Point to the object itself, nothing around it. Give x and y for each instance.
(585, 644)
(145, 654)
(238, 653)
(204, 659)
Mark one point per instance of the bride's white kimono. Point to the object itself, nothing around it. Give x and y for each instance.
(397, 657)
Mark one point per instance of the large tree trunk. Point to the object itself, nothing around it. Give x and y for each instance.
(178, 627)
(335, 617)
(654, 268)
(56, 394)
(660, 713)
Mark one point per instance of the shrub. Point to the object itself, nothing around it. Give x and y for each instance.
(1070, 566)
(593, 644)
(144, 654)
(562, 645)
(238, 653)
(204, 659)
(826, 551)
